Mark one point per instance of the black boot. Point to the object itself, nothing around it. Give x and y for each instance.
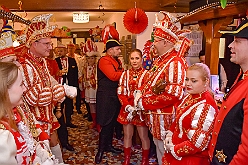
(101, 148)
(88, 110)
(109, 147)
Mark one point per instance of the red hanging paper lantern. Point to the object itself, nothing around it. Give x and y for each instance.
(135, 20)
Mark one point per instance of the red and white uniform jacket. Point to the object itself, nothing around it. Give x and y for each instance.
(130, 81)
(229, 143)
(171, 70)
(191, 130)
(42, 93)
(13, 147)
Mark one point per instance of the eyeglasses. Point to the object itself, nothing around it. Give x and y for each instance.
(48, 44)
(155, 41)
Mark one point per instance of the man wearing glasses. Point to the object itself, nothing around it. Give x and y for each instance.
(43, 92)
(164, 86)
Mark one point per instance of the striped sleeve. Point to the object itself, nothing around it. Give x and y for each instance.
(174, 77)
(123, 90)
(36, 95)
(199, 134)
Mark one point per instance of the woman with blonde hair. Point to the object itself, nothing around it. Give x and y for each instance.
(188, 137)
(13, 149)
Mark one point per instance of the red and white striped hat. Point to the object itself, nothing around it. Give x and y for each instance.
(90, 48)
(109, 32)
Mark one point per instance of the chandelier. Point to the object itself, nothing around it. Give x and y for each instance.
(81, 17)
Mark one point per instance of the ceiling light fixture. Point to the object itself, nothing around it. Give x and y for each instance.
(81, 17)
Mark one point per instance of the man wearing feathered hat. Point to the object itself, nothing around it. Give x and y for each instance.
(164, 87)
(229, 144)
(43, 92)
(109, 71)
(23, 116)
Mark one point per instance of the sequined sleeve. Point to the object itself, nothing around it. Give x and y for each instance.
(36, 94)
(199, 133)
(123, 92)
(173, 76)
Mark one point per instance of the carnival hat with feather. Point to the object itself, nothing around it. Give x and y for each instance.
(90, 49)
(38, 29)
(167, 28)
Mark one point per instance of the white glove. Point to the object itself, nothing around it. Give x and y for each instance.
(70, 91)
(169, 147)
(168, 141)
(42, 153)
(130, 109)
(137, 94)
(47, 143)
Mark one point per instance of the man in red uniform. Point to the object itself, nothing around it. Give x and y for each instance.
(43, 92)
(229, 144)
(165, 83)
(108, 106)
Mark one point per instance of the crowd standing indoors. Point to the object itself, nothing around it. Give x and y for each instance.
(171, 101)
(130, 81)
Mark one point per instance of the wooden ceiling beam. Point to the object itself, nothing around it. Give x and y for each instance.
(83, 5)
(238, 9)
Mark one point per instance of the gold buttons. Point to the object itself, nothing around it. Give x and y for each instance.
(224, 107)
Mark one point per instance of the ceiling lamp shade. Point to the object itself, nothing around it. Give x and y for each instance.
(81, 17)
(135, 20)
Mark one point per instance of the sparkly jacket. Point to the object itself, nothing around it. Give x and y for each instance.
(229, 144)
(191, 130)
(42, 92)
(168, 70)
(130, 81)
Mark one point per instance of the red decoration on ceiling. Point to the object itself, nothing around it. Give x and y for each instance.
(135, 20)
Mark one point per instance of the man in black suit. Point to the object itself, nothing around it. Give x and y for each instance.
(69, 71)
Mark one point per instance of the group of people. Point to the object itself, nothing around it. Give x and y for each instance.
(171, 100)
(174, 100)
(29, 95)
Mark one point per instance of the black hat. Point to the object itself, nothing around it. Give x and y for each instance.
(241, 31)
(112, 43)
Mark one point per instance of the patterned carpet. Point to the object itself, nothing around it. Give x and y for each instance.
(85, 142)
